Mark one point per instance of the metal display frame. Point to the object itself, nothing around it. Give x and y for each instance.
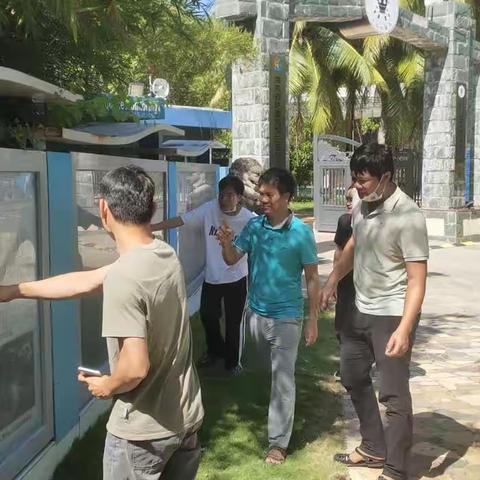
(13, 161)
(193, 284)
(195, 168)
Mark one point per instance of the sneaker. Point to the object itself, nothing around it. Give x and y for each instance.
(207, 360)
(336, 376)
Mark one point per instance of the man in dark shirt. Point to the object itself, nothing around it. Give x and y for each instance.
(345, 290)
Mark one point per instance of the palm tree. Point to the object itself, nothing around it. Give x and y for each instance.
(322, 63)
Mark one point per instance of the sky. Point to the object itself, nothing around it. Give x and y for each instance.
(207, 4)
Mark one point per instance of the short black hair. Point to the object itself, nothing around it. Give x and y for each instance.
(129, 192)
(280, 178)
(373, 158)
(231, 181)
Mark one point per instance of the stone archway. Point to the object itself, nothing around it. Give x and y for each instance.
(451, 151)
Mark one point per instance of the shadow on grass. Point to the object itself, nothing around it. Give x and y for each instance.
(234, 433)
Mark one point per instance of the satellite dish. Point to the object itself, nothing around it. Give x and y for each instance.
(160, 88)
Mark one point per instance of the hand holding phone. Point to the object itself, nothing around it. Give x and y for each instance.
(89, 372)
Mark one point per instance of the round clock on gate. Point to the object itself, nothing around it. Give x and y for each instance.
(382, 14)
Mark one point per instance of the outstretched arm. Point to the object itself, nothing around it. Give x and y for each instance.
(167, 224)
(69, 285)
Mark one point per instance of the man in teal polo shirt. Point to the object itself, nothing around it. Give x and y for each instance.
(279, 248)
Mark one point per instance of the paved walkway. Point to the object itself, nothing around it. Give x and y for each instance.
(445, 373)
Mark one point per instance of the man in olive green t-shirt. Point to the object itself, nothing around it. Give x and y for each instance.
(157, 408)
(389, 252)
(145, 298)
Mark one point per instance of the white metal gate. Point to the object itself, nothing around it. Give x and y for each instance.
(331, 178)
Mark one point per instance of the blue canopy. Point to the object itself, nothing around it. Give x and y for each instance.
(197, 117)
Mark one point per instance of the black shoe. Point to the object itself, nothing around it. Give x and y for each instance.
(366, 461)
(207, 360)
(235, 371)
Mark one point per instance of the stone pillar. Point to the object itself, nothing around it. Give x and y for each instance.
(251, 89)
(443, 187)
(476, 156)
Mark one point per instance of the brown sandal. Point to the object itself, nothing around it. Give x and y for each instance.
(276, 456)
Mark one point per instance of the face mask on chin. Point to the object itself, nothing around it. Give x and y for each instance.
(375, 196)
(228, 209)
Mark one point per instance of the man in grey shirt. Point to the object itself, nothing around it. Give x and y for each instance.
(389, 252)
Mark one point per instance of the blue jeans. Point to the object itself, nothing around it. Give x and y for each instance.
(171, 458)
(276, 342)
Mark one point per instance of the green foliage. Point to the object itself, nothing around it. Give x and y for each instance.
(112, 108)
(93, 47)
(301, 154)
(225, 137)
(19, 133)
(197, 64)
(18, 130)
(97, 47)
(368, 125)
(302, 206)
(84, 45)
(97, 18)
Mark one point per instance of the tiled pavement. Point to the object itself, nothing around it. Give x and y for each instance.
(445, 373)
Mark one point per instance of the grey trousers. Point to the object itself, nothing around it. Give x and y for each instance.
(276, 344)
(172, 458)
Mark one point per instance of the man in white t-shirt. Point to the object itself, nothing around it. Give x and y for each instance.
(221, 280)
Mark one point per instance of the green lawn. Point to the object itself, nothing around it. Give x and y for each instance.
(234, 434)
(302, 206)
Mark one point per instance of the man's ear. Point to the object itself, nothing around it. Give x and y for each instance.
(104, 210)
(102, 206)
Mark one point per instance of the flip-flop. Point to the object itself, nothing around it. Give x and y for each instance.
(367, 461)
(276, 456)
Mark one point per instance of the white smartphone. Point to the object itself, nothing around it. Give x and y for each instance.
(89, 372)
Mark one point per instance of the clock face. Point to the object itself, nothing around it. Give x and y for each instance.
(382, 14)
